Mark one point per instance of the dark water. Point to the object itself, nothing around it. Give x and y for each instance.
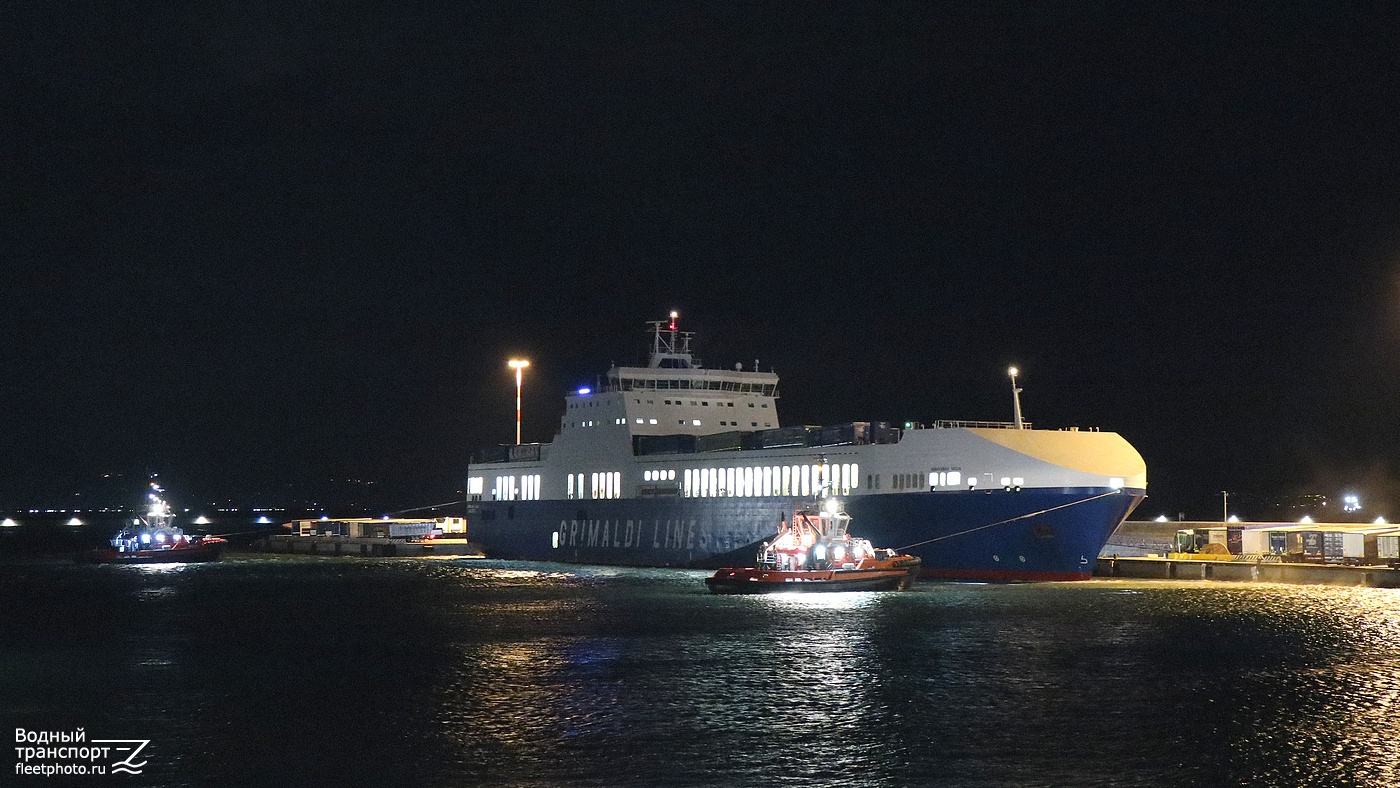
(312, 671)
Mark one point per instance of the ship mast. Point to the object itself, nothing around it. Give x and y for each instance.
(670, 347)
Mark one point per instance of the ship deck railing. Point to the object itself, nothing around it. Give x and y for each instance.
(950, 424)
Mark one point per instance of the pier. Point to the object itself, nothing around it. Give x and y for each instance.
(1194, 568)
(366, 546)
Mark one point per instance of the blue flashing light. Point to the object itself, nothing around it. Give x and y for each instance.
(585, 390)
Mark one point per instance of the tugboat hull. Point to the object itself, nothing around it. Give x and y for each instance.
(767, 581)
(199, 553)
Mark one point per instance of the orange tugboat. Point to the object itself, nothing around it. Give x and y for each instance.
(153, 539)
(817, 553)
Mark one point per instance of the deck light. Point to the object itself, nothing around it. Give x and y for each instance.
(1016, 397)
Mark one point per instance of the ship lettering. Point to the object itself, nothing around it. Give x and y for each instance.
(655, 534)
(628, 543)
(690, 536)
(573, 532)
(607, 533)
(592, 537)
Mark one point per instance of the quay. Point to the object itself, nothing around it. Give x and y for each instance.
(1187, 567)
(379, 538)
(1350, 554)
(366, 546)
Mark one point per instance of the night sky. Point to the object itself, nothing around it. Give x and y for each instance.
(260, 247)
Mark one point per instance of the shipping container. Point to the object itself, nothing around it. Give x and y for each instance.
(1311, 544)
(1388, 548)
(720, 441)
(1233, 539)
(410, 529)
(782, 437)
(663, 444)
(1254, 541)
(857, 432)
(1278, 542)
(882, 432)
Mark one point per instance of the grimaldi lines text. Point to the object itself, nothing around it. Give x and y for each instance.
(674, 464)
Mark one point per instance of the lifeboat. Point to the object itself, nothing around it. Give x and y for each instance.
(816, 552)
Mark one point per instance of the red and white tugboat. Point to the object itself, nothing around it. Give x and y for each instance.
(153, 539)
(817, 553)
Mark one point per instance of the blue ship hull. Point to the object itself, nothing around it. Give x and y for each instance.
(996, 535)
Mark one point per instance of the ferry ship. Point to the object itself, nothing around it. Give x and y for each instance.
(676, 464)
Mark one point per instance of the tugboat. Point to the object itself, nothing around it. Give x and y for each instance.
(817, 553)
(153, 539)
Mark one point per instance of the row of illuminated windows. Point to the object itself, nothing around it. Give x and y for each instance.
(659, 476)
(640, 384)
(766, 480)
(607, 484)
(511, 488)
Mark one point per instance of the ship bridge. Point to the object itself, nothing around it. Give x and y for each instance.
(676, 395)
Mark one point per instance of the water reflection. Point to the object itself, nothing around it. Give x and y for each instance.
(543, 674)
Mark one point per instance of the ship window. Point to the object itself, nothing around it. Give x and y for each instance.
(680, 422)
(750, 404)
(571, 486)
(704, 404)
(639, 421)
(695, 422)
(730, 404)
(806, 480)
(855, 476)
(651, 421)
(954, 478)
(753, 424)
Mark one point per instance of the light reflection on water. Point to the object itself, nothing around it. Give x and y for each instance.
(452, 673)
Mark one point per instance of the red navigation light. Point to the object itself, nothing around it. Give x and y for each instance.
(674, 315)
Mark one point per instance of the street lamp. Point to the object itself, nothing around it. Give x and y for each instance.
(1016, 396)
(517, 364)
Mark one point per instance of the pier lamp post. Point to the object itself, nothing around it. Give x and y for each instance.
(1016, 396)
(517, 364)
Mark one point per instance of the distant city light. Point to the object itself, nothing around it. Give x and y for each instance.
(263, 520)
(1351, 503)
(1306, 519)
(1380, 521)
(9, 523)
(1234, 518)
(201, 520)
(1162, 518)
(75, 521)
